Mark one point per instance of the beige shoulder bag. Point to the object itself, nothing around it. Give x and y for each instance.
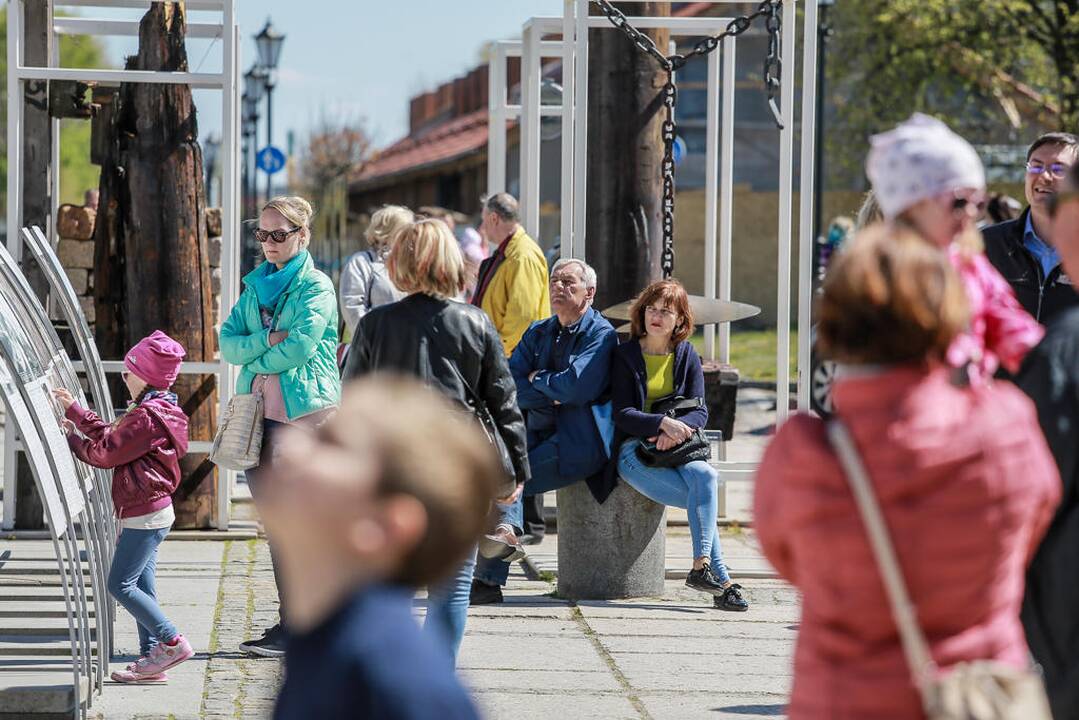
(978, 690)
(238, 442)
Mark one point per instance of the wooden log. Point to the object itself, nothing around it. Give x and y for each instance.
(152, 259)
(625, 151)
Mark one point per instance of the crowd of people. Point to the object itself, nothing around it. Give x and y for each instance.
(476, 380)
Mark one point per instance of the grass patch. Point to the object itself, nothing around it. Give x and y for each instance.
(753, 352)
(547, 576)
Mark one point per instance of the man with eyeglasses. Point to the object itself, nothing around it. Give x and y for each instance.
(1023, 250)
(562, 371)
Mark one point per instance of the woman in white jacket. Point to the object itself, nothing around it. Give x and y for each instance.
(364, 282)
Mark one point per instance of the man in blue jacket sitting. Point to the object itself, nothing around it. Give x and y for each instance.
(562, 371)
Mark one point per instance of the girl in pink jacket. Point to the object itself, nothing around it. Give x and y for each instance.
(930, 179)
(143, 448)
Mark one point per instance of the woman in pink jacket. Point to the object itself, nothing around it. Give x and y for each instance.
(963, 476)
(931, 180)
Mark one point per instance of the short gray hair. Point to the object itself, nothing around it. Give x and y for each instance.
(588, 275)
(504, 206)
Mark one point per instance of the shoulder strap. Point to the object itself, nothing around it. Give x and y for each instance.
(915, 646)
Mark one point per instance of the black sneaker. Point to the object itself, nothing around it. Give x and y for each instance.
(731, 600)
(484, 594)
(704, 580)
(271, 644)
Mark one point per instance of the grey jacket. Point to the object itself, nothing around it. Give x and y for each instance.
(364, 285)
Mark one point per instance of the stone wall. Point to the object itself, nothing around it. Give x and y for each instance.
(75, 226)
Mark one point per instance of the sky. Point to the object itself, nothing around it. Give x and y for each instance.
(352, 59)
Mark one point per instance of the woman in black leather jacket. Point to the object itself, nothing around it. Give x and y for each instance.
(453, 347)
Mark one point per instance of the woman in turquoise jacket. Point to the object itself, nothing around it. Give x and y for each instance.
(283, 334)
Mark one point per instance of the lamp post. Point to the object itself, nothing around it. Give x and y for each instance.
(269, 43)
(824, 32)
(250, 125)
(209, 152)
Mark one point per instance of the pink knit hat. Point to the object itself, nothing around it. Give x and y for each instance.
(155, 359)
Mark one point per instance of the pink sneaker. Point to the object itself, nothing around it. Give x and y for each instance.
(128, 675)
(164, 656)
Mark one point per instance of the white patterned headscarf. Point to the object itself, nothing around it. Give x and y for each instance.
(919, 159)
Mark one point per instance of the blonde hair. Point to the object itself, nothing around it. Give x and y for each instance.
(399, 417)
(385, 223)
(869, 213)
(426, 258)
(294, 209)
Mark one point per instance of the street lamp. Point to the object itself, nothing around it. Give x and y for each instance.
(269, 43)
(250, 125)
(209, 152)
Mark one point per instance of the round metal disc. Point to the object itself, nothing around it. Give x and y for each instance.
(706, 311)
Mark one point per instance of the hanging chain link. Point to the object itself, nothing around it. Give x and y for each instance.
(773, 70)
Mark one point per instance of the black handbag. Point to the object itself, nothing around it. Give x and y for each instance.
(697, 447)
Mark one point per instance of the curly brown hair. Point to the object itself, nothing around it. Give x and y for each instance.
(669, 294)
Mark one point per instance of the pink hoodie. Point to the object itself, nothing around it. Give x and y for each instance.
(1001, 331)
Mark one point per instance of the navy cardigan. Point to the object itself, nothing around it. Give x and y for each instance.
(629, 388)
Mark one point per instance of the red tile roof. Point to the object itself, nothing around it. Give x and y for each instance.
(451, 140)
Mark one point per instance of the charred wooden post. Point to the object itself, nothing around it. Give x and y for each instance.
(624, 228)
(151, 252)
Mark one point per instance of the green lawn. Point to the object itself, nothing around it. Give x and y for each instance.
(753, 352)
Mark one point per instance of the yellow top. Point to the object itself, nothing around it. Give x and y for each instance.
(518, 294)
(660, 370)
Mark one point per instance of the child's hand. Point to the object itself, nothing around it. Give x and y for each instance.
(63, 397)
(278, 336)
(67, 426)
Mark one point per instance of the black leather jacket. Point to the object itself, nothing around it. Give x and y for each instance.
(395, 337)
(1042, 297)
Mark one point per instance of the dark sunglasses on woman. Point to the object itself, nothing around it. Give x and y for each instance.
(277, 236)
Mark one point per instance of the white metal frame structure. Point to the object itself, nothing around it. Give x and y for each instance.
(573, 28)
(74, 494)
(227, 81)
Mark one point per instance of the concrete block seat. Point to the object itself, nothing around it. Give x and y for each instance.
(611, 551)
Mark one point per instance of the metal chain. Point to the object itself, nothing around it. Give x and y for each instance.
(773, 68)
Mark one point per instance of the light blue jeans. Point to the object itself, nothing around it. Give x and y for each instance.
(447, 607)
(543, 462)
(693, 486)
(132, 583)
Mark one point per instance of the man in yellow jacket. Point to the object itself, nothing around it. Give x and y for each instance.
(512, 284)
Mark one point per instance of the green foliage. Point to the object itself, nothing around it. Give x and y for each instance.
(77, 174)
(999, 71)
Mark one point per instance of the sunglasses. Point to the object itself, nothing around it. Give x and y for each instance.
(960, 204)
(275, 236)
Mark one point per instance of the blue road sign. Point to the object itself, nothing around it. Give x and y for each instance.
(270, 160)
(679, 150)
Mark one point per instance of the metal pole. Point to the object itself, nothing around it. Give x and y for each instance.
(269, 132)
(811, 186)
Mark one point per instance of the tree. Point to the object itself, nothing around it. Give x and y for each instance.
(335, 152)
(77, 173)
(996, 70)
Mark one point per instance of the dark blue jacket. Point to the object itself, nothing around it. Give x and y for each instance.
(583, 413)
(369, 659)
(629, 388)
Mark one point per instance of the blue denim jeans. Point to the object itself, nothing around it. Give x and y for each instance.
(543, 461)
(447, 607)
(693, 486)
(131, 582)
